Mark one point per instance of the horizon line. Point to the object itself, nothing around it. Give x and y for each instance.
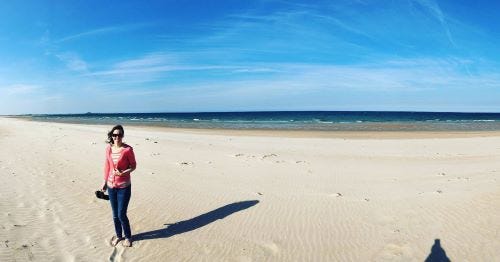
(256, 111)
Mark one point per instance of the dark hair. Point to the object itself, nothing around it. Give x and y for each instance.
(110, 133)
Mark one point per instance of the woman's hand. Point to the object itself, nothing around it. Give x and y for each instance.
(118, 173)
(104, 187)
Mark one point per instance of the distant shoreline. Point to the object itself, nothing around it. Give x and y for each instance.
(293, 121)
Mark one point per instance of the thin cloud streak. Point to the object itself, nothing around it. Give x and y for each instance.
(146, 60)
(437, 13)
(21, 89)
(159, 69)
(103, 30)
(73, 61)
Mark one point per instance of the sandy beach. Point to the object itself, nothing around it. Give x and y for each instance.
(242, 196)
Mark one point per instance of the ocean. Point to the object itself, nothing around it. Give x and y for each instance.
(294, 120)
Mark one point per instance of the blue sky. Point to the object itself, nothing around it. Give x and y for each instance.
(184, 56)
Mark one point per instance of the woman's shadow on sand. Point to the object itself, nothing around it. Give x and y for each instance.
(196, 222)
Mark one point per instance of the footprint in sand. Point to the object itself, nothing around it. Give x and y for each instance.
(24, 253)
(336, 195)
(395, 252)
(271, 247)
(269, 155)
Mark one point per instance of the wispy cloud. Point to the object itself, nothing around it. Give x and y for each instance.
(147, 60)
(158, 63)
(403, 76)
(406, 84)
(257, 69)
(158, 69)
(437, 13)
(73, 61)
(102, 30)
(20, 89)
(294, 32)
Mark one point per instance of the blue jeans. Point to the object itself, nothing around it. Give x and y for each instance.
(119, 198)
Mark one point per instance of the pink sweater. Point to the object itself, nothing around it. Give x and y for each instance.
(126, 161)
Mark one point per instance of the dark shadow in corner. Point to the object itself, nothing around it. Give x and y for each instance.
(437, 253)
(196, 222)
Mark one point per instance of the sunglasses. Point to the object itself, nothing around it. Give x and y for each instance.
(117, 135)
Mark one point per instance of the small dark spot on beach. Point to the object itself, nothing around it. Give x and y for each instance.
(269, 155)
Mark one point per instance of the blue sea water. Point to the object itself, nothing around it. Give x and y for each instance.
(295, 120)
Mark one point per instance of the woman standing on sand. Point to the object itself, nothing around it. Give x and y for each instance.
(119, 163)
